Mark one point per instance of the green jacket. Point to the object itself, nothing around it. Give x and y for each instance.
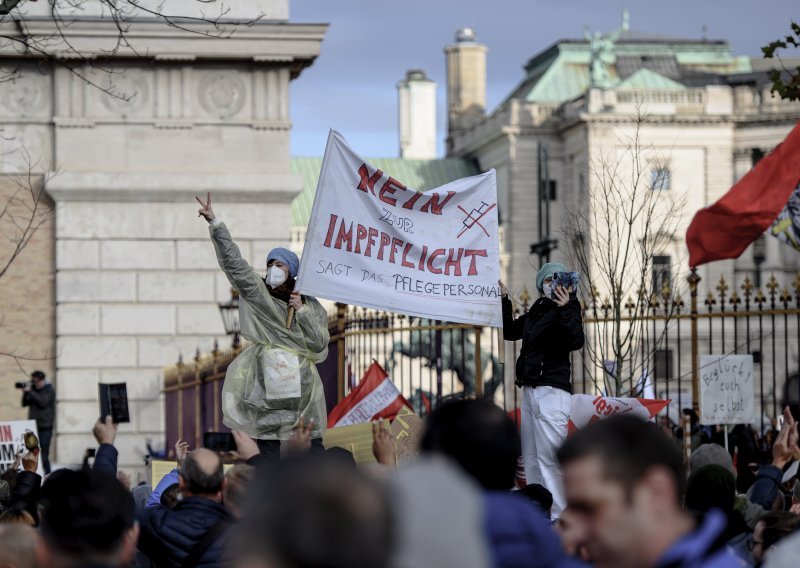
(252, 399)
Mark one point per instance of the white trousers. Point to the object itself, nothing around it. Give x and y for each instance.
(544, 416)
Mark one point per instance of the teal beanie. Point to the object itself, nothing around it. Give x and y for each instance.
(547, 271)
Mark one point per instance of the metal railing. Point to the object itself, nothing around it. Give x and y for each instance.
(433, 361)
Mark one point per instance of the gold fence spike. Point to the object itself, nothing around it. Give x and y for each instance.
(629, 305)
(786, 296)
(722, 287)
(524, 298)
(747, 286)
(772, 286)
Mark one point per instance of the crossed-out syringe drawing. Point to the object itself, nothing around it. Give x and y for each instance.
(471, 220)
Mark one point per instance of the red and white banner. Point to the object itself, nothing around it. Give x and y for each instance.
(587, 408)
(375, 397)
(374, 242)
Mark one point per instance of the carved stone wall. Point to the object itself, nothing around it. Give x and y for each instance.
(125, 146)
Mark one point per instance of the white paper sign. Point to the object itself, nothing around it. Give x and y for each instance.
(373, 242)
(726, 389)
(281, 374)
(12, 442)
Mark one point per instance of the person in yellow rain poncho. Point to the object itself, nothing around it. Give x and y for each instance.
(273, 386)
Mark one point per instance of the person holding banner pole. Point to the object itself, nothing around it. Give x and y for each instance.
(549, 331)
(273, 386)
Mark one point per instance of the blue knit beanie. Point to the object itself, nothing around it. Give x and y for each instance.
(287, 257)
(547, 271)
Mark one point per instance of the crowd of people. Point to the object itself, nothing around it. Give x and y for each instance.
(614, 494)
(628, 502)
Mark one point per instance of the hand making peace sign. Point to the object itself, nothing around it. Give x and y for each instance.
(205, 208)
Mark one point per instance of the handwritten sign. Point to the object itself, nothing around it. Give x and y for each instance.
(12, 442)
(374, 242)
(726, 389)
(407, 429)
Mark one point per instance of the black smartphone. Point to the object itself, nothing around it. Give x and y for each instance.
(114, 402)
(219, 441)
(568, 281)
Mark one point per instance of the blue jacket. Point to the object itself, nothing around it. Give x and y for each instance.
(705, 547)
(520, 534)
(168, 480)
(167, 535)
(766, 486)
(105, 459)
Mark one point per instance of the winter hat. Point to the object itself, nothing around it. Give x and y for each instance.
(708, 454)
(547, 271)
(287, 257)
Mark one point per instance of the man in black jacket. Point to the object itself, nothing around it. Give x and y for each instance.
(193, 532)
(40, 398)
(550, 330)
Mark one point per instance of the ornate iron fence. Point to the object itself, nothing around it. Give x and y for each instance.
(432, 361)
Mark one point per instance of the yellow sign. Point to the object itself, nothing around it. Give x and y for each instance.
(160, 468)
(356, 439)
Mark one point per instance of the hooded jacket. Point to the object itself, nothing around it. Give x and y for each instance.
(549, 334)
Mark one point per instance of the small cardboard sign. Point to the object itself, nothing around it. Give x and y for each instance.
(12, 442)
(726, 389)
(407, 430)
(356, 439)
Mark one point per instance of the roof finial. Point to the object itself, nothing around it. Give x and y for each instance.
(626, 19)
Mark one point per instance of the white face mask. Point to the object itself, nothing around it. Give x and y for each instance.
(548, 290)
(275, 276)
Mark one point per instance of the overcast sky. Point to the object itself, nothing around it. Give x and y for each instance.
(371, 43)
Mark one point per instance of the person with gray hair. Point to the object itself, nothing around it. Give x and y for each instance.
(20, 547)
(194, 531)
(273, 385)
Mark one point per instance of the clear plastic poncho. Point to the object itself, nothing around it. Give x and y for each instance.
(274, 381)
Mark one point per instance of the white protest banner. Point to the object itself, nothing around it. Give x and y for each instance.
(726, 389)
(12, 442)
(373, 242)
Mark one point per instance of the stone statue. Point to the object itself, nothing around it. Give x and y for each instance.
(458, 355)
(599, 46)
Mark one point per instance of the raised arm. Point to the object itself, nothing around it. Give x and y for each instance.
(239, 272)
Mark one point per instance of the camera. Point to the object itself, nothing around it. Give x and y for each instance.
(22, 385)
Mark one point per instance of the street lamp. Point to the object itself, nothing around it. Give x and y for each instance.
(230, 317)
(759, 257)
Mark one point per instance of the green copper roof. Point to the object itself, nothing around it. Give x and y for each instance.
(416, 174)
(561, 72)
(645, 79)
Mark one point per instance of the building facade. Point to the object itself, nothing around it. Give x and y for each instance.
(699, 117)
(123, 147)
(706, 116)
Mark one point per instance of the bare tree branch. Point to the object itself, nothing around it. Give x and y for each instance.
(622, 222)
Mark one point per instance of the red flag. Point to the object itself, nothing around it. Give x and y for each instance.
(375, 397)
(726, 228)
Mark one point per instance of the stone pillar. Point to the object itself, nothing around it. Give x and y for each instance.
(417, 116)
(466, 81)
